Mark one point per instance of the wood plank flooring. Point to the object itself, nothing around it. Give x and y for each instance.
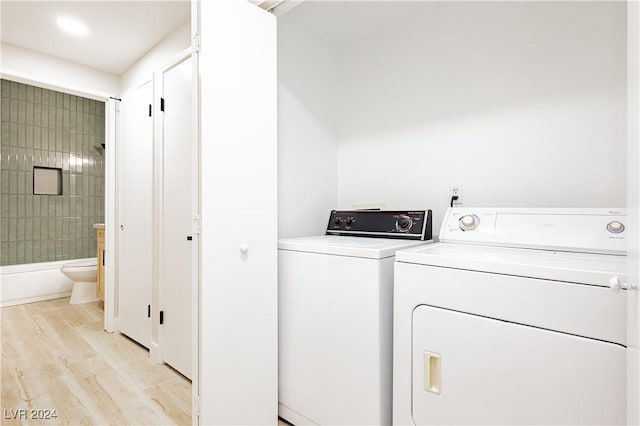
(56, 356)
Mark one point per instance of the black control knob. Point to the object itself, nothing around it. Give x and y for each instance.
(336, 221)
(349, 221)
(403, 223)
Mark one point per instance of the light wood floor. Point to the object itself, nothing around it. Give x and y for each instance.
(56, 356)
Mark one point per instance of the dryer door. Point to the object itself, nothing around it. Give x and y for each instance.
(469, 369)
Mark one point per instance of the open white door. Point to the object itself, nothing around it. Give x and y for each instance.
(135, 208)
(238, 140)
(175, 233)
(633, 204)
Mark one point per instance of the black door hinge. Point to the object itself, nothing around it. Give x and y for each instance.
(148, 311)
(161, 317)
(149, 110)
(103, 257)
(161, 104)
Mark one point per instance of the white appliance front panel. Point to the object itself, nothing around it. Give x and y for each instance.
(366, 247)
(335, 338)
(584, 268)
(583, 310)
(570, 229)
(496, 372)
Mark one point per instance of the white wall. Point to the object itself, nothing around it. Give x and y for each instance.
(34, 66)
(521, 103)
(159, 56)
(307, 150)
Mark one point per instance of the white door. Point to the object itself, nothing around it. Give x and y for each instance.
(238, 287)
(176, 237)
(469, 369)
(135, 239)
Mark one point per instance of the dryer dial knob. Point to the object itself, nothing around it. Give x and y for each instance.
(469, 222)
(615, 227)
(403, 224)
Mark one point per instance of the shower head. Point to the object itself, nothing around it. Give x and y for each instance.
(99, 148)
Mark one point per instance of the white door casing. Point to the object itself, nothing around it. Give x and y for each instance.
(633, 209)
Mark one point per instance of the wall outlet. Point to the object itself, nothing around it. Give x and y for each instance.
(456, 191)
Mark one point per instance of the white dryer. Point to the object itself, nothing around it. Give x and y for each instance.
(336, 320)
(510, 320)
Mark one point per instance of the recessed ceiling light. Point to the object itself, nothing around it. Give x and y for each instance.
(72, 26)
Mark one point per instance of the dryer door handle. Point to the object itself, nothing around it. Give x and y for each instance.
(432, 372)
(616, 284)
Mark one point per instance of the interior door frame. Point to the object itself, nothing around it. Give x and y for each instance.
(110, 170)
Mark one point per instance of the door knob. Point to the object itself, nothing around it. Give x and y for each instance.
(616, 285)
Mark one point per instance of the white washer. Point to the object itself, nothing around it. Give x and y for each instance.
(335, 317)
(510, 320)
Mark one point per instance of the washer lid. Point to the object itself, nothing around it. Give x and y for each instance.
(584, 268)
(370, 248)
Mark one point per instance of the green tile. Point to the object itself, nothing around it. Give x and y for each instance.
(22, 112)
(13, 229)
(22, 209)
(37, 137)
(13, 110)
(28, 252)
(20, 229)
(28, 206)
(44, 205)
(22, 189)
(22, 136)
(6, 112)
(36, 205)
(22, 92)
(45, 98)
(28, 230)
(52, 117)
(4, 230)
(13, 252)
(52, 227)
(37, 95)
(59, 118)
(4, 208)
(59, 99)
(5, 88)
(36, 228)
(29, 137)
(13, 181)
(44, 118)
(20, 253)
(59, 142)
(29, 93)
(66, 101)
(14, 90)
(29, 113)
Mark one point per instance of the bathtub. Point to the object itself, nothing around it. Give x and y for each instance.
(33, 282)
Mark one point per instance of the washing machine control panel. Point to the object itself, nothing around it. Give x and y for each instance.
(405, 224)
(588, 230)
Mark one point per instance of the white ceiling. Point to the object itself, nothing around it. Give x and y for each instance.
(120, 32)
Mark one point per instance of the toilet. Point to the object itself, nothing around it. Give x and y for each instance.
(83, 273)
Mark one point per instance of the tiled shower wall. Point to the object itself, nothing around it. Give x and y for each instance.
(52, 129)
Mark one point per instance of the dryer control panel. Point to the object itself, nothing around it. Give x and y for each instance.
(404, 224)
